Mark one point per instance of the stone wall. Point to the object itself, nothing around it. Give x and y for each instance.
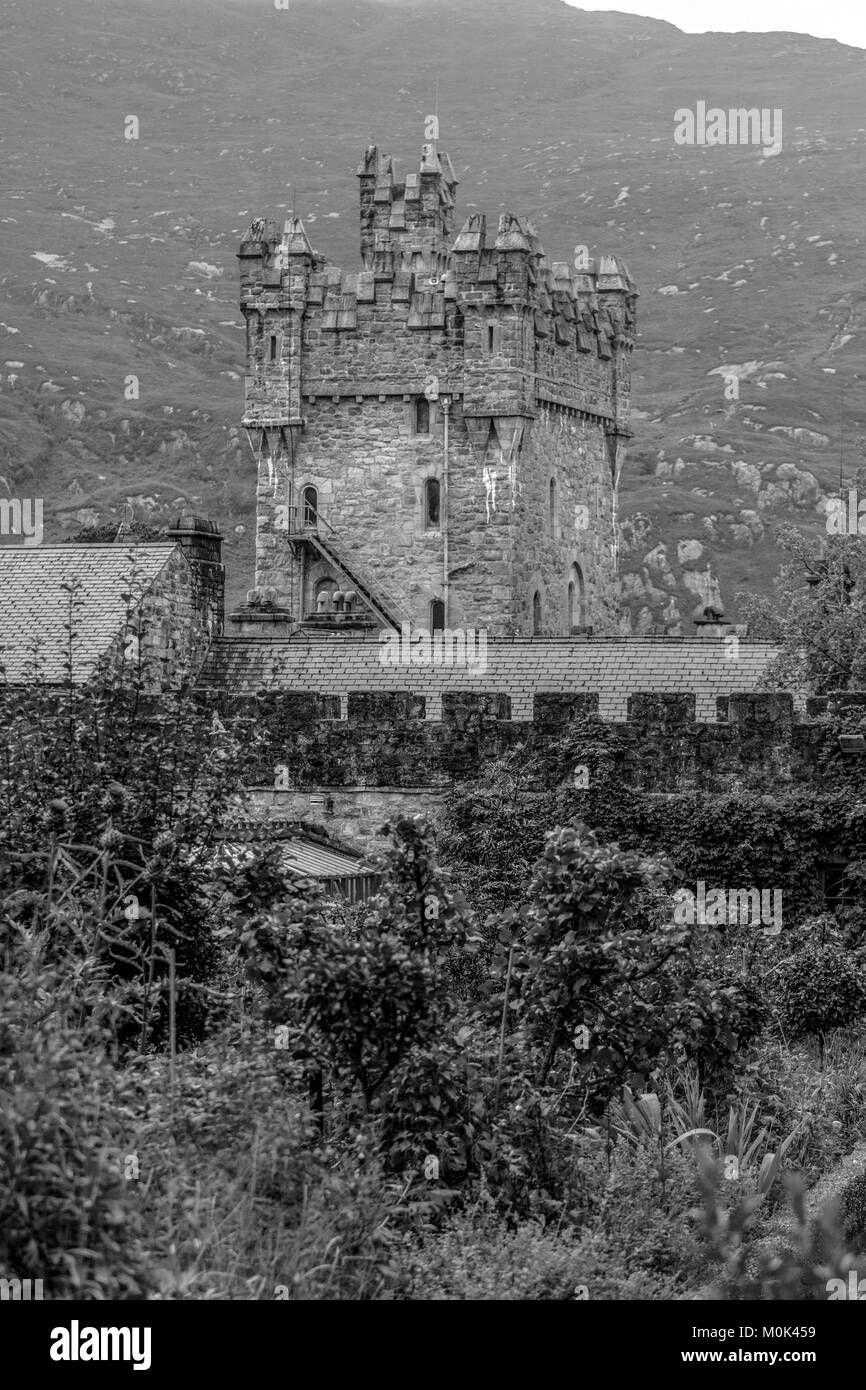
(181, 612)
(387, 756)
(386, 742)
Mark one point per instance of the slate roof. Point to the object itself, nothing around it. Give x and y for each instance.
(614, 668)
(34, 603)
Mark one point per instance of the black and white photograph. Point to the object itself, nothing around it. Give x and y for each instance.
(432, 672)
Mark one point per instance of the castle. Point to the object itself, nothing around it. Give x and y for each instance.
(439, 438)
(440, 434)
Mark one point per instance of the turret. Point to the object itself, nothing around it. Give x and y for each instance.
(411, 218)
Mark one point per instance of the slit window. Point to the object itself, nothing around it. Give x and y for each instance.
(422, 415)
(273, 347)
(437, 615)
(431, 503)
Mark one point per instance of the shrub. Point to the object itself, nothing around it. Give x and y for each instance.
(479, 1260)
(819, 988)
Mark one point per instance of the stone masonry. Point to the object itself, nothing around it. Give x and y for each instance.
(469, 362)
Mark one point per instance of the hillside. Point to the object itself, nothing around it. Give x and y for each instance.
(118, 256)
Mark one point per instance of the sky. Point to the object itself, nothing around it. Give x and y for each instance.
(844, 20)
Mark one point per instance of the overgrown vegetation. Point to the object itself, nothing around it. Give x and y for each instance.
(511, 1074)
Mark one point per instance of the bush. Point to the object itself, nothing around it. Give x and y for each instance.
(819, 988)
(478, 1260)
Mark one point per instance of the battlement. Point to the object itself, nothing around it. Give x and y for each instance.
(414, 270)
(387, 742)
(414, 215)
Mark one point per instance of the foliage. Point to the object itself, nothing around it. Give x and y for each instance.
(133, 530)
(371, 1004)
(66, 1124)
(819, 629)
(819, 988)
(479, 1259)
(813, 1253)
(600, 971)
(112, 804)
(492, 825)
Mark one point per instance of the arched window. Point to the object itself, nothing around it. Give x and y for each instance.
(491, 338)
(576, 599)
(431, 503)
(311, 506)
(536, 613)
(422, 415)
(437, 615)
(551, 507)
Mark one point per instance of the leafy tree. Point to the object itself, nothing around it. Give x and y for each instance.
(600, 971)
(819, 627)
(371, 1003)
(112, 804)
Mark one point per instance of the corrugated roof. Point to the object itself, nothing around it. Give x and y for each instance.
(298, 856)
(305, 857)
(34, 603)
(612, 668)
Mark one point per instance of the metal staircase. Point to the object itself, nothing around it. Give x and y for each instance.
(383, 604)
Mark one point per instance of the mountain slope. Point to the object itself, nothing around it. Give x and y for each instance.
(118, 255)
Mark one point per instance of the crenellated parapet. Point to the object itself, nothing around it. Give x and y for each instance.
(761, 742)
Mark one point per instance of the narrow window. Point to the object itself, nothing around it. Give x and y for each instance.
(491, 337)
(311, 506)
(422, 415)
(431, 503)
(437, 615)
(536, 613)
(273, 347)
(576, 599)
(551, 507)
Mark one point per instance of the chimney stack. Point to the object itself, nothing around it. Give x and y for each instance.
(201, 542)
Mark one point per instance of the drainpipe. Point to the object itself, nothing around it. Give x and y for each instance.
(443, 507)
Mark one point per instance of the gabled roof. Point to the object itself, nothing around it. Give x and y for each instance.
(34, 603)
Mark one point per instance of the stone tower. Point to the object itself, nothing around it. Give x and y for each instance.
(440, 433)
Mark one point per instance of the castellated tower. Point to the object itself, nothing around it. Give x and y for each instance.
(439, 434)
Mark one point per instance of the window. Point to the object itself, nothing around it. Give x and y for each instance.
(437, 615)
(536, 613)
(491, 337)
(837, 889)
(311, 506)
(273, 347)
(551, 507)
(431, 503)
(576, 599)
(422, 415)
